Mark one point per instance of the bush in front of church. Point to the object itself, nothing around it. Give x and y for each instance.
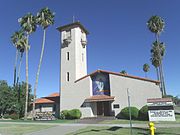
(63, 114)
(143, 113)
(124, 114)
(71, 114)
(74, 114)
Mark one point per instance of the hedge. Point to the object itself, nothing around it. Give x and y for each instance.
(124, 114)
(70, 114)
(143, 113)
(11, 116)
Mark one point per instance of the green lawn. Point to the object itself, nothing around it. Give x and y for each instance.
(124, 131)
(20, 129)
(30, 121)
(122, 121)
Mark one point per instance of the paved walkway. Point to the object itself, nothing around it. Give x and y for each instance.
(57, 130)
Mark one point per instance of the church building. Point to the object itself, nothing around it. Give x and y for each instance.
(101, 93)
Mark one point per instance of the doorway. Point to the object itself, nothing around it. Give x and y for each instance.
(103, 108)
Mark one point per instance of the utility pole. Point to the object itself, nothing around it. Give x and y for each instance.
(129, 105)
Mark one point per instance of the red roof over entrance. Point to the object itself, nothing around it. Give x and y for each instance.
(99, 98)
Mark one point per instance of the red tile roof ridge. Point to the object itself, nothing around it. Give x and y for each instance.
(43, 100)
(159, 100)
(100, 98)
(56, 94)
(120, 74)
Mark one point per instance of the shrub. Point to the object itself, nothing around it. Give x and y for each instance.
(143, 113)
(6, 116)
(11, 116)
(14, 116)
(125, 113)
(63, 114)
(73, 114)
(70, 114)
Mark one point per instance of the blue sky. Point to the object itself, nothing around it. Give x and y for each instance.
(118, 40)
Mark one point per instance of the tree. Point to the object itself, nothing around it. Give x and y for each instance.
(16, 39)
(9, 103)
(156, 25)
(20, 106)
(123, 72)
(146, 69)
(45, 18)
(5, 96)
(28, 24)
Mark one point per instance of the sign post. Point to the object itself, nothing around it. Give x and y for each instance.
(129, 105)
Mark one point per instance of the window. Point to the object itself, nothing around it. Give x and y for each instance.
(67, 55)
(54, 108)
(68, 76)
(116, 106)
(68, 34)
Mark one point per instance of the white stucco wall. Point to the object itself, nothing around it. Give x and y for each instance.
(139, 91)
(44, 108)
(74, 95)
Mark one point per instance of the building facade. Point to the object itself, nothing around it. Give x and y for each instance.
(101, 93)
(48, 104)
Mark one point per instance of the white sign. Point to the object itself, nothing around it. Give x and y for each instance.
(161, 109)
(161, 115)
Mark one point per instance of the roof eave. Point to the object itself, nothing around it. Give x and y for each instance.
(61, 28)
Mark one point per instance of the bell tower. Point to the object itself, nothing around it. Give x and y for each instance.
(73, 56)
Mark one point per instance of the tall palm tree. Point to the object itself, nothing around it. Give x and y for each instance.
(146, 68)
(28, 24)
(156, 25)
(157, 54)
(16, 40)
(20, 63)
(45, 18)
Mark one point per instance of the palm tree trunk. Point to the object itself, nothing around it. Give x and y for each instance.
(27, 84)
(157, 71)
(15, 66)
(19, 69)
(160, 70)
(163, 82)
(145, 74)
(18, 77)
(38, 72)
(161, 85)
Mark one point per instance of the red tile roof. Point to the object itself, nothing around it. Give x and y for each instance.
(54, 95)
(152, 100)
(43, 100)
(119, 74)
(99, 98)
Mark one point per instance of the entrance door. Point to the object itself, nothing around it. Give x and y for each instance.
(103, 108)
(107, 108)
(100, 108)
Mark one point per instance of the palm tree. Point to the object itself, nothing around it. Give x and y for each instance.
(156, 25)
(28, 24)
(157, 53)
(45, 18)
(16, 40)
(20, 63)
(146, 69)
(123, 72)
